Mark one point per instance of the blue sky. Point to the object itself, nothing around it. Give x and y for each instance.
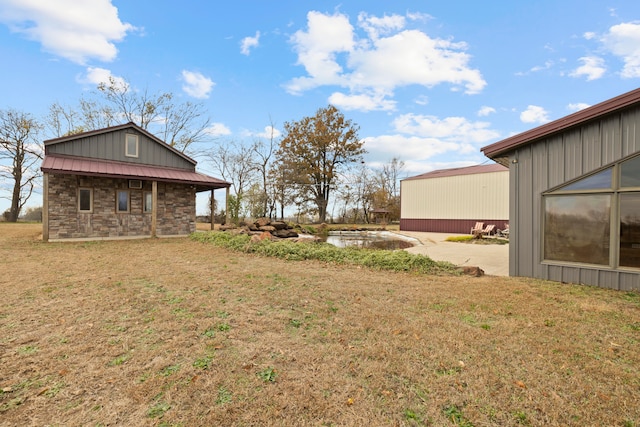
(429, 82)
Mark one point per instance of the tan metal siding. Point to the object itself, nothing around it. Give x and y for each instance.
(484, 195)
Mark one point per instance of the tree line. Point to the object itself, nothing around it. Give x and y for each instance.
(314, 170)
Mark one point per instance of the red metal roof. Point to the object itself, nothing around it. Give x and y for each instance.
(110, 169)
(619, 102)
(469, 170)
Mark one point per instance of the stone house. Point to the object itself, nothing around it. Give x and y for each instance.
(119, 182)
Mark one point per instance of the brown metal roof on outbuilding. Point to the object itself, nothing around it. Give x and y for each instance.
(469, 170)
(594, 112)
(110, 169)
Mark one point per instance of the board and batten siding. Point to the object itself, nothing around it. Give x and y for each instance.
(550, 162)
(483, 195)
(111, 146)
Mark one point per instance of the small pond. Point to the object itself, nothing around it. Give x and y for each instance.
(369, 240)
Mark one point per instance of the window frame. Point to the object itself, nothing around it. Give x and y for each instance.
(128, 153)
(80, 190)
(615, 193)
(128, 193)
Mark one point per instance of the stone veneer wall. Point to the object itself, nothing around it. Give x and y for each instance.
(176, 209)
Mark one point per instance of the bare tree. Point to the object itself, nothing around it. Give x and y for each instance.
(233, 163)
(20, 155)
(282, 187)
(388, 193)
(178, 124)
(262, 152)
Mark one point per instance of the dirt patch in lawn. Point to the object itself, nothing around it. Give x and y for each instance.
(174, 332)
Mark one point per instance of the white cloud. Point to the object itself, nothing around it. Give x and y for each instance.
(269, 132)
(96, 75)
(456, 129)
(317, 49)
(534, 114)
(75, 30)
(196, 84)
(592, 68)
(388, 57)
(589, 35)
(547, 65)
(485, 111)
(623, 40)
(249, 42)
(217, 129)
(422, 100)
(577, 106)
(409, 147)
(421, 138)
(362, 102)
(375, 26)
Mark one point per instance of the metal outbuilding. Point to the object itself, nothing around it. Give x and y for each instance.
(453, 200)
(574, 204)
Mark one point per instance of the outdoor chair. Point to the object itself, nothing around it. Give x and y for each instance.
(488, 230)
(477, 229)
(504, 233)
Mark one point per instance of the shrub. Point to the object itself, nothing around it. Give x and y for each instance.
(299, 251)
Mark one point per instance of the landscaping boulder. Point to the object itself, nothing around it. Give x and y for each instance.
(285, 234)
(280, 225)
(260, 228)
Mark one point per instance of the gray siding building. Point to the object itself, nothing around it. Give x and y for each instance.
(574, 204)
(119, 182)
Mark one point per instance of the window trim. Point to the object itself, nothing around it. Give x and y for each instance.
(128, 193)
(90, 190)
(127, 153)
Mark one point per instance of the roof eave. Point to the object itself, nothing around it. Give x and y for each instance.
(500, 148)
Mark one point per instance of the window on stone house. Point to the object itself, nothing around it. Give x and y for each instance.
(148, 202)
(131, 145)
(122, 201)
(85, 200)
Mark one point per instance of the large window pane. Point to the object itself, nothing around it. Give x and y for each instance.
(598, 181)
(630, 173)
(577, 228)
(131, 145)
(123, 201)
(630, 229)
(84, 204)
(148, 202)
